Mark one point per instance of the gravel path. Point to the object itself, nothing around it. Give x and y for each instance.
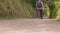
(29, 26)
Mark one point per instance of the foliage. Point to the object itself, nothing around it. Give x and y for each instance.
(24, 8)
(16, 8)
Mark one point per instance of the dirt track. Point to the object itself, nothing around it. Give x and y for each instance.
(30, 26)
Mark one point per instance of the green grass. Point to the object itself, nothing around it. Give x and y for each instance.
(15, 9)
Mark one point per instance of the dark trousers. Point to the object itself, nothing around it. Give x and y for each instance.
(40, 13)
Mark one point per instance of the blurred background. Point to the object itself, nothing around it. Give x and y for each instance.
(26, 9)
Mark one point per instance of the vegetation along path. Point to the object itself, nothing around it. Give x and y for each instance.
(30, 26)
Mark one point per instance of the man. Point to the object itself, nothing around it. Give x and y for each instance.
(39, 9)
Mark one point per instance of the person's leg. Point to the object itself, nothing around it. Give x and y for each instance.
(41, 14)
(38, 13)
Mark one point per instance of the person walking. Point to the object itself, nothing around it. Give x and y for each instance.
(39, 9)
